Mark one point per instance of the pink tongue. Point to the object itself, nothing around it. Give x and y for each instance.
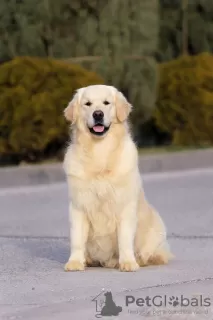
(98, 128)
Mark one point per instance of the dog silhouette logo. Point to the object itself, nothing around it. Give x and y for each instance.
(105, 305)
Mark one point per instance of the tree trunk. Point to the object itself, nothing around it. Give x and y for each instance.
(185, 27)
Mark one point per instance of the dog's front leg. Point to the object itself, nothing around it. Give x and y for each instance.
(78, 234)
(126, 235)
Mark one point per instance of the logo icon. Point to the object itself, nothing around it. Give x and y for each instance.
(105, 305)
(173, 301)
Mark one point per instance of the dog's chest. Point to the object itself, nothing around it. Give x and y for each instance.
(102, 213)
(97, 195)
(97, 198)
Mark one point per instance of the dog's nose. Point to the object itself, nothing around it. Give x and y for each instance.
(98, 115)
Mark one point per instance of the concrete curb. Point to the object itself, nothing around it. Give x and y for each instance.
(30, 175)
(177, 161)
(52, 173)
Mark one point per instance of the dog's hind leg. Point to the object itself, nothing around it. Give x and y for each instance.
(161, 256)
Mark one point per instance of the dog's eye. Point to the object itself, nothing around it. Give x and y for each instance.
(88, 103)
(106, 102)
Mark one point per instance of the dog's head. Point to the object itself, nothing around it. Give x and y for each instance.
(96, 108)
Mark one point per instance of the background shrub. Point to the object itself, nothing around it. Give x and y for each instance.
(33, 95)
(185, 100)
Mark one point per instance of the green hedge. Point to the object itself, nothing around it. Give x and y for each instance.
(33, 95)
(185, 100)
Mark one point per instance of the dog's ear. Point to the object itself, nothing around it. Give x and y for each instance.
(123, 107)
(70, 112)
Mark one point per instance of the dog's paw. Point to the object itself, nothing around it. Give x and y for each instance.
(74, 265)
(128, 266)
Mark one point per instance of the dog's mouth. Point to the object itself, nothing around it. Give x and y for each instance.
(99, 129)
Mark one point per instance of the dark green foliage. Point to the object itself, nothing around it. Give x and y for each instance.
(33, 95)
(199, 23)
(185, 101)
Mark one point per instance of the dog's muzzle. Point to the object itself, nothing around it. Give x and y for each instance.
(98, 128)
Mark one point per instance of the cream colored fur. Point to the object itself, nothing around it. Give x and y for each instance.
(111, 222)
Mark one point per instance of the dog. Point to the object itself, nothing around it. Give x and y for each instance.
(111, 222)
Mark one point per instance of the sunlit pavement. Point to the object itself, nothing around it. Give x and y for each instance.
(34, 233)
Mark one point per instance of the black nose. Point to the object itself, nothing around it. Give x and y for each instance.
(98, 115)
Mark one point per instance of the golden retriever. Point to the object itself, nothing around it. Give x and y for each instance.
(111, 222)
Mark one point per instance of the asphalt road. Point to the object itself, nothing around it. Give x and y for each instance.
(34, 246)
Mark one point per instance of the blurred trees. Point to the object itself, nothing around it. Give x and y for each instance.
(68, 28)
(198, 15)
(38, 27)
(116, 38)
(65, 28)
